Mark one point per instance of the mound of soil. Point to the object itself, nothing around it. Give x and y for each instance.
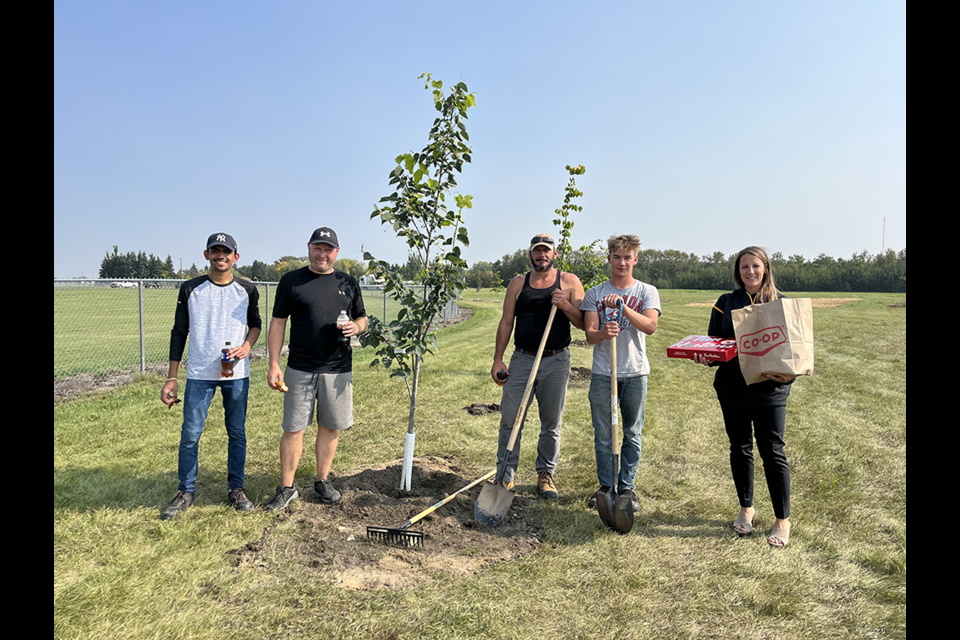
(478, 409)
(579, 373)
(331, 540)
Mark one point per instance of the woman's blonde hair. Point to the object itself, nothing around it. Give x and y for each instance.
(768, 287)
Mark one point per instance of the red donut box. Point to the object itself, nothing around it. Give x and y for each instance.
(713, 349)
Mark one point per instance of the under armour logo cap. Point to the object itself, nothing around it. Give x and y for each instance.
(325, 235)
(222, 240)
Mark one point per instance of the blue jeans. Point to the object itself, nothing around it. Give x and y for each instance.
(633, 398)
(196, 403)
(550, 390)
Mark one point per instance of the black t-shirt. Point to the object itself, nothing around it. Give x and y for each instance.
(532, 311)
(313, 301)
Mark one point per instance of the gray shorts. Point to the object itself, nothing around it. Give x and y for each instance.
(331, 392)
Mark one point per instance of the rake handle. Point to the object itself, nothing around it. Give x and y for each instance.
(429, 510)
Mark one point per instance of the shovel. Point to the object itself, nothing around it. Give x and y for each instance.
(615, 511)
(405, 538)
(495, 499)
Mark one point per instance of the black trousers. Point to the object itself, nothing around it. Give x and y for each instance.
(742, 421)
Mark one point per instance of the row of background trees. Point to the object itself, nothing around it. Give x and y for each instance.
(137, 264)
(670, 269)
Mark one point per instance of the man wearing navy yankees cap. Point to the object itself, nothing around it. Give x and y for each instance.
(319, 373)
(221, 315)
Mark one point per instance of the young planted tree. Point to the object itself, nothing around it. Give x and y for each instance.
(587, 263)
(419, 212)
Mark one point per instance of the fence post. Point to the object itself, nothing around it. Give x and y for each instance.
(143, 346)
(268, 318)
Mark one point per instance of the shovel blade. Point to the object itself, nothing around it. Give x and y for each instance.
(493, 503)
(606, 500)
(622, 515)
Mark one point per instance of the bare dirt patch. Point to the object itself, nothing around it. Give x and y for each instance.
(580, 343)
(64, 388)
(464, 314)
(478, 409)
(817, 303)
(331, 541)
(829, 303)
(897, 305)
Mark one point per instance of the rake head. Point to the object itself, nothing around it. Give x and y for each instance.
(399, 537)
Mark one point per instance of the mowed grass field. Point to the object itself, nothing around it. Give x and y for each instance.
(119, 572)
(97, 329)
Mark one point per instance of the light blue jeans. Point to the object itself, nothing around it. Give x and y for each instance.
(551, 391)
(633, 398)
(196, 403)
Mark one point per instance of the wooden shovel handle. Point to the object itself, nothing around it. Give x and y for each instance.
(533, 376)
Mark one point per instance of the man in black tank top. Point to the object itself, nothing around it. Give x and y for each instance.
(528, 301)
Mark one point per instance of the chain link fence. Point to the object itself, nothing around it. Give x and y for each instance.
(101, 327)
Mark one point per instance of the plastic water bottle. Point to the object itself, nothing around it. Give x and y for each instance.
(342, 321)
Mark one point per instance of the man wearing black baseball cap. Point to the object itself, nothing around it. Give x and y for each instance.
(527, 301)
(319, 374)
(222, 317)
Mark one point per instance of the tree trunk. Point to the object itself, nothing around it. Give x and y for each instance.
(406, 475)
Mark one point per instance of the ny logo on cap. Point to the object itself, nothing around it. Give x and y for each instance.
(221, 237)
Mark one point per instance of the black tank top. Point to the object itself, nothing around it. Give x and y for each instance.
(532, 311)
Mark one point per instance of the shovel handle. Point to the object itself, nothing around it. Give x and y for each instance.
(614, 410)
(521, 412)
(450, 497)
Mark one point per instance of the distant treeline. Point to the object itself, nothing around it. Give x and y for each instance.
(883, 272)
(136, 265)
(148, 266)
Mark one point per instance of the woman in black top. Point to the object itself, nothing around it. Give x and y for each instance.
(759, 408)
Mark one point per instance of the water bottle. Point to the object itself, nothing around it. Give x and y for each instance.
(343, 320)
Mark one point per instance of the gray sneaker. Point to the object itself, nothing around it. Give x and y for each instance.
(283, 497)
(628, 493)
(178, 505)
(592, 502)
(325, 491)
(238, 500)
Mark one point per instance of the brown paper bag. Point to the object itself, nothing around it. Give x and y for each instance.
(775, 338)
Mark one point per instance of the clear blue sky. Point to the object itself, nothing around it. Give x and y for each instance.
(704, 126)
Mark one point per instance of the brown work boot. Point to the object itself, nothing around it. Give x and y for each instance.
(546, 487)
(506, 485)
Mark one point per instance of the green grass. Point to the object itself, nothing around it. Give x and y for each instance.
(97, 329)
(121, 573)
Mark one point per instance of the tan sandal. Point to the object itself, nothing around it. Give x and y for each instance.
(744, 527)
(779, 538)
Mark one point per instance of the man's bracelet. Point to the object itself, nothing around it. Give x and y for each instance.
(169, 379)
